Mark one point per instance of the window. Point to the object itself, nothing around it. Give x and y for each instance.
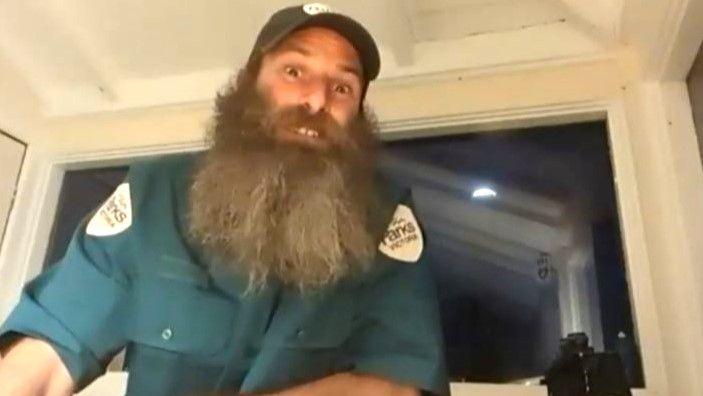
(523, 237)
(82, 191)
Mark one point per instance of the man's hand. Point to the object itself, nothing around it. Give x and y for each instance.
(31, 367)
(348, 384)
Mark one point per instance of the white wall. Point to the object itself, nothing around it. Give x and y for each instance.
(11, 156)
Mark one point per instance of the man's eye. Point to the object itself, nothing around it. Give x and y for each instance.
(292, 71)
(343, 89)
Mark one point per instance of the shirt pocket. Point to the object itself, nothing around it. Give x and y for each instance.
(180, 332)
(180, 317)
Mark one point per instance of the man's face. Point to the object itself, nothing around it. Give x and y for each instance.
(274, 202)
(317, 70)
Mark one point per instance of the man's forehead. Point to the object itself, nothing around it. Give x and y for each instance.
(311, 39)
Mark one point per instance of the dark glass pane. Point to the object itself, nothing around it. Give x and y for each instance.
(540, 259)
(82, 191)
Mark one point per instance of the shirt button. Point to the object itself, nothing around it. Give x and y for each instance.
(167, 334)
(300, 333)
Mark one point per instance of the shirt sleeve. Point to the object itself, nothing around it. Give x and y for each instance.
(77, 304)
(398, 334)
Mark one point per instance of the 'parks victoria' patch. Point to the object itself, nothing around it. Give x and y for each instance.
(114, 216)
(403, 238)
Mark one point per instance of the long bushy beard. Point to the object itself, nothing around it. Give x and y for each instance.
(283, 210)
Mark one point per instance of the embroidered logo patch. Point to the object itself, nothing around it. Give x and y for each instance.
(316, 8)
(403, 238)
(114, 216)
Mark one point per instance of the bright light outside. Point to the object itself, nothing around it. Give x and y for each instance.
(484, 193)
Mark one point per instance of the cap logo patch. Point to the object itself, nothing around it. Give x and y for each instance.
(403, 238)
(316, 8)
(114, 216)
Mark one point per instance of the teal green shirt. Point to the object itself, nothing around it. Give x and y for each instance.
(189, 328)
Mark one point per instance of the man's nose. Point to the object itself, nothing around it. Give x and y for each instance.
(316, 97)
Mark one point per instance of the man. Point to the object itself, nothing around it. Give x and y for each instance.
(277, 262)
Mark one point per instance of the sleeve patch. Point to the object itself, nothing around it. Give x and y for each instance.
(403, 238)
(114, 216)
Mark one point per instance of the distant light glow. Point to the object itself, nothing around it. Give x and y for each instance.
(484, 193)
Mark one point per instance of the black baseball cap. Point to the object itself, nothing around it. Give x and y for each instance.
(289, 19)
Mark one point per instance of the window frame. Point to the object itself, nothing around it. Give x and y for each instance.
(41, 183)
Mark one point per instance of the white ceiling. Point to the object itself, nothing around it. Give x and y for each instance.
(452, 20)
(83, 56)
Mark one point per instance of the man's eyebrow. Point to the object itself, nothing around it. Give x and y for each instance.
(294, 48)
(350, 69)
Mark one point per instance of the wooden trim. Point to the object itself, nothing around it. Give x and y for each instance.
(465, 389)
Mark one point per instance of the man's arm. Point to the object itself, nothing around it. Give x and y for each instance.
(31, 367)
(349, 384)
